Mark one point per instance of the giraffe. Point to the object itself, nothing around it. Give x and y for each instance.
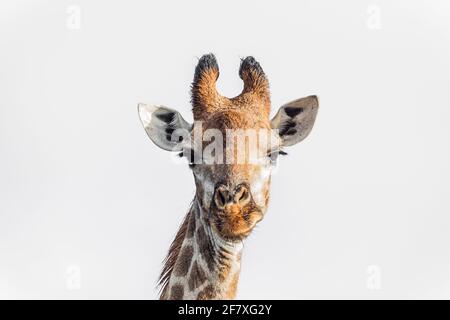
(231, 197)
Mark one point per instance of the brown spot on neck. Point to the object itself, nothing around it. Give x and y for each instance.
(197, 276)
(184, 261)
(206, 247)
(176, 292)
(191, 228)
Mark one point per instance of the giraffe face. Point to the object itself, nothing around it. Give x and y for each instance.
(232, 144)
(233, 171)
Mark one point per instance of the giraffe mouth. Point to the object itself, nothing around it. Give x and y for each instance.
(236, 223)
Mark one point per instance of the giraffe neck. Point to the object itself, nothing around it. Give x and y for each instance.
(206, 266)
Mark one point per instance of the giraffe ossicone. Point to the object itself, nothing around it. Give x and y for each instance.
(231, 148)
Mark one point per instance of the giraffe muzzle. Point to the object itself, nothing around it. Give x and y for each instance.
(235, 212)
(224, 197)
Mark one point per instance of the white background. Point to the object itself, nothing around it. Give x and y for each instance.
(89, 206)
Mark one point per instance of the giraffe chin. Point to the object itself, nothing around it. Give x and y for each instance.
(235, 224)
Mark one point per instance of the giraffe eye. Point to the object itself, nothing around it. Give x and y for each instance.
(190, 156)
(273, 155)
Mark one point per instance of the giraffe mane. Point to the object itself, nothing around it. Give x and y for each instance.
(171, 258)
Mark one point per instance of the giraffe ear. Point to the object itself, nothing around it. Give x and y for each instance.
(295, 119)
(165, 127)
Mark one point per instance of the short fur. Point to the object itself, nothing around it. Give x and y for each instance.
(230, 199)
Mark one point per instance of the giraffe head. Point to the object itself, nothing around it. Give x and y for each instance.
(233, 143)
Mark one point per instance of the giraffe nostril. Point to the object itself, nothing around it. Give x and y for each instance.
(242, 195)
(221, 197)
